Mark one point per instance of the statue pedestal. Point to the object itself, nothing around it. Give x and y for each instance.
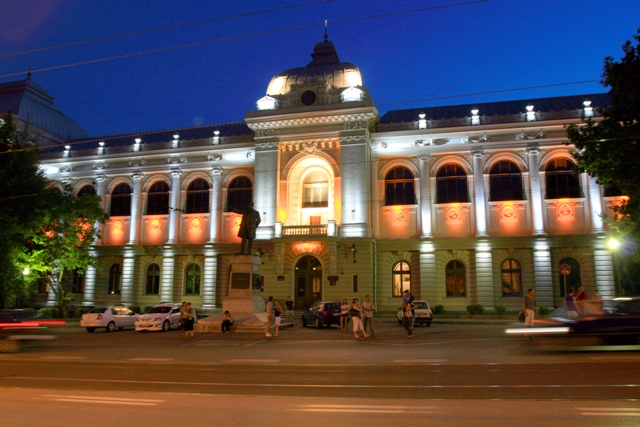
(244, 301)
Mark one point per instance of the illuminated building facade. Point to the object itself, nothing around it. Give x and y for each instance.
(460, 204)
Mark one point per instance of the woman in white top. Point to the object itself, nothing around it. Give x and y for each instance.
(344, 315)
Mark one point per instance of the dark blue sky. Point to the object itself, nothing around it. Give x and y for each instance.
(459, 50)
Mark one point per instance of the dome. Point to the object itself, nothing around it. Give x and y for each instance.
(324, 68)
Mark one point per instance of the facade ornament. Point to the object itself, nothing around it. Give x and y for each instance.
(216, 170)
(309, 147)
(376, 145)
(266, 145)
(216, 157)
(523, 136)
(100, 165)
(66, 168)
(475, 139)
(137, 162)
(264, 132)
(176, 159)
(99, 178)
(354, 124)
(249, 154)
(136, 175)
(422, 142)
(175, 173)
(354, 138)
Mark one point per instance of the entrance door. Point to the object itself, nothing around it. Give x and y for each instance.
(308, 280)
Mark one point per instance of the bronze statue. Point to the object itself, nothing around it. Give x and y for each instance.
(250, 221)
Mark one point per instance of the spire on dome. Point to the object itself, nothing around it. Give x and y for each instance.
(324, 53)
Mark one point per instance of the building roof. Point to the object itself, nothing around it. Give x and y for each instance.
(34, 105)
(560, 107)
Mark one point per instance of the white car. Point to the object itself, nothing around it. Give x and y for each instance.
(421, 314)
(110, 318)
(161, 317)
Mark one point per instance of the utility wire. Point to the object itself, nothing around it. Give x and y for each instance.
(168, 27)
(240, 37)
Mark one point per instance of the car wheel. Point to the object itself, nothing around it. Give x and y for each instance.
(166, 326)
(318, 323)
(111, 327)
(91, 329)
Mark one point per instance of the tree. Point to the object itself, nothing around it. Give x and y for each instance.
(63, 242)
(609, 149)
(23, 195)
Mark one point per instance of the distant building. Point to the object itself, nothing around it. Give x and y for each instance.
(461, 204)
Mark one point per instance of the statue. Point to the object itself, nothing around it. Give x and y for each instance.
(250, 221)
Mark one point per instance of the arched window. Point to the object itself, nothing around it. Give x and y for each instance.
(561, 180)
(316, 190)
(121, 200)
(240, 194)
(115, 279)
(505, 180)
(511, 278)
(198, 196)
(572, 280)
(87, 189)
(192, 280)
(398, 184)
(456, 279)
(153, 280)
(401, 278)
(451, 181)
(158, 199)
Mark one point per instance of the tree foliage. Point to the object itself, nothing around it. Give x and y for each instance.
(609, 149)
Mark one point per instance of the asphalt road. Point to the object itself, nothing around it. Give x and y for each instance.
(458, 374)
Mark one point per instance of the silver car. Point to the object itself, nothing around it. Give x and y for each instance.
(110, 318)
(422, 313)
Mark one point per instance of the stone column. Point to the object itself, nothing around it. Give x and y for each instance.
(216, 205)
(210, 280)
(265, 188)
(168, 264)
(484, 278)
(605, 279)
(595, 203)
(100, 193)
(135, 209)
(174, 209)
(126, 292)
(428, 283)
(479, 196)
(535, 189)
(425, 196)
(543, 275)
(354, 165)
(89, 287)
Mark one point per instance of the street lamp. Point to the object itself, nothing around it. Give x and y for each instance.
(613, 245)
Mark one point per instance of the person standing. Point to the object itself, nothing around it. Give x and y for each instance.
(580, 297)
(529, 309)
(356, 316)
(596, 303)
(367, 318)
(344, 314)
(227, 321)
(189, 320)
(570, 304)
(269, 311)
(408, 315)
(277, 311)
(290, 316)
(183, 307)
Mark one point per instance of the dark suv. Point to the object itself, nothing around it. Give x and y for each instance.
(323, 313)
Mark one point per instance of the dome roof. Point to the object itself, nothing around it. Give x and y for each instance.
(34, 105)
(325, 67)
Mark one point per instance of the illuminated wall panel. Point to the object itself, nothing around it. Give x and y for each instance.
(155, 229)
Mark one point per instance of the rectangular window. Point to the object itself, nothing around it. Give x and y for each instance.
(314, 220)
(355, 283)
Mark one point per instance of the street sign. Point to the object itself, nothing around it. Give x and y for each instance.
(565, 269)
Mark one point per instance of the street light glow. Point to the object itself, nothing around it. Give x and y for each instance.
(613, 243)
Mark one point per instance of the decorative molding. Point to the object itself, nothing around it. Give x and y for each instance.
(137, 162)
(176, 159)
(422, 142)
(66, 168)
(475, 139)
(100, 165)
(216, 170)
(249, 154)
(267, 145)
(216, 157)
(355, 138)
(99, 178)
(136, 175)
(264, 132)
(314, 248)
(376, 145)
(310, 145)
(355, 124)
(524, 136)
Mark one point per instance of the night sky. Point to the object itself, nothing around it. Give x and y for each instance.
(448, 53)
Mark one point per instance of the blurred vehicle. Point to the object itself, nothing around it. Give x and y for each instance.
(324, 313)
(110, 318)
(161, 317)
(614, 321)
(422, 313)
(17, 327)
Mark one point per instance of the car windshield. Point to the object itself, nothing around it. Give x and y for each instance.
(420, 304)
(159, 310)
(98, 310)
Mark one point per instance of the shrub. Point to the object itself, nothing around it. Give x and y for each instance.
(475, 309)
(544, 310)
(438, 309)
(501, 309)
(135, 308)
(49, 312)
